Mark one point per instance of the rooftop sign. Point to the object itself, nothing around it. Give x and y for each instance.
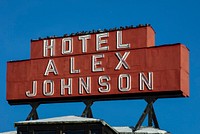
(117, 64)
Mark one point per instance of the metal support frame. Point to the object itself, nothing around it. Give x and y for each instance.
(33, 114)
(87, 111)
(151, 114)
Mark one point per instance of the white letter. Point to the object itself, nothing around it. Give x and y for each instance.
(99, 41)
(46, 46)
(63, 86)
(121, 84)
(51, 87)
(51, 67)
(122, 60)
(119, 41)
(84, 39)
(34, 93)
(86, 86)
(72, 70)
(70, 42)
(95, 63)
(105, 84)
(148, 82)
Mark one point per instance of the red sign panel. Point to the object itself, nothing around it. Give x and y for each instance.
(122, 72)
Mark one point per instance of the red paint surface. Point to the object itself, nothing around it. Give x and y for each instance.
(137, 37)
(169, 64)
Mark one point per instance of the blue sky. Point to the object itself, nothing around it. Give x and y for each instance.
(173, 21)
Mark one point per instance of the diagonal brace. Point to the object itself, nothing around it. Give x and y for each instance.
(151, 114)
(33, 114)
(155, 119)
(87, 111)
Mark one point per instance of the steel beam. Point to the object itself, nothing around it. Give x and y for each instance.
(87, 111)
(149, 110)
(33, 114)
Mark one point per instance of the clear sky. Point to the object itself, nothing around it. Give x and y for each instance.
(173, 21)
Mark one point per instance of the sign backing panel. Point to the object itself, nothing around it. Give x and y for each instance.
(161, 71)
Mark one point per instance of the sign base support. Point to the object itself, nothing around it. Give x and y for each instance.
(87, 111)
(151, 114)
(33, 114)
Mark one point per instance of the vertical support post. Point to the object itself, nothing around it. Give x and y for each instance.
(87, 111)
(33, 114)
(151, 114)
